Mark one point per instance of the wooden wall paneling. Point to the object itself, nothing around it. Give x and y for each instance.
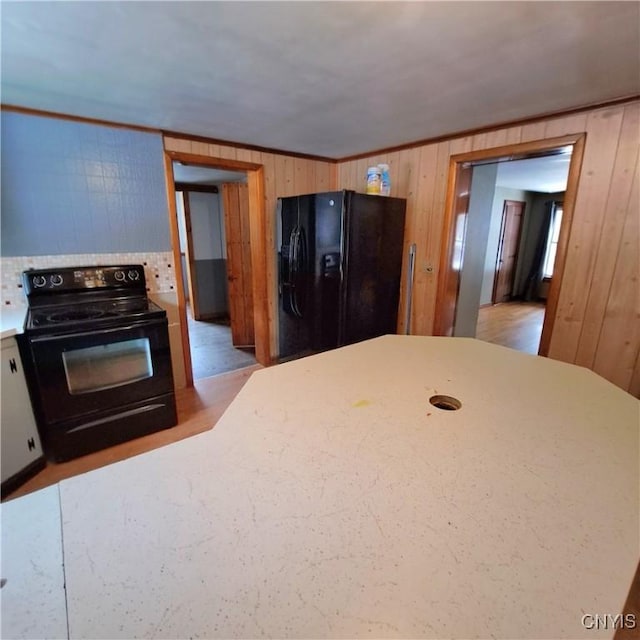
(532, 131)
(289, 187)
(199, 148)
(310, 176)
(307, 176)
(270, 265)
(360, 183)
(327, 176)
(347, 172)
(589, 241)
(599, 157)
(513, 135)
(562, 249)
(175, 144)
(619, 340)
(260, 255)
(398, 178)
(356, 179)
(427, 174)
(460, 145)
(567, 125)
(480, 141)
(280, 178)
(615, 214)
(218, 151)
(299, 177)
(497, 138)
(434, 236)
(243, 154)
(411, 165)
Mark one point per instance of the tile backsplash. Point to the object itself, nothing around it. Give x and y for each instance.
(158, 268)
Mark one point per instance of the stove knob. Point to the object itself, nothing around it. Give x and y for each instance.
(134, 275)
(56, 280)
(39, 281)
(120, 276)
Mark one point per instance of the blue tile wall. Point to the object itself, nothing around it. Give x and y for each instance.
(72, 187)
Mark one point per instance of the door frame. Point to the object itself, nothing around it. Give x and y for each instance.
(448, 299)
(257, 239)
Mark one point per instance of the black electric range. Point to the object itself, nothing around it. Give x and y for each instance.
(99, 360)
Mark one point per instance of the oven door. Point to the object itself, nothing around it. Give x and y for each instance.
(91, 371)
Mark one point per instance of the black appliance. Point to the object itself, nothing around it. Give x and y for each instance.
(340, 262)
(97, 358)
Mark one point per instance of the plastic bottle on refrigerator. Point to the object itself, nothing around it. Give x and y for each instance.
(385, 180)
(374, 180)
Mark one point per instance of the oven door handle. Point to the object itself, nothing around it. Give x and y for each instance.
(98, 332)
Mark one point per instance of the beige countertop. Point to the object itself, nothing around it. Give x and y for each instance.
(332, 500)
(12, 321)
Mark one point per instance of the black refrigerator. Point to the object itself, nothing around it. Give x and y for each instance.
(339, 268)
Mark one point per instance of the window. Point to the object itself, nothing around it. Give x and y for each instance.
(552, 240)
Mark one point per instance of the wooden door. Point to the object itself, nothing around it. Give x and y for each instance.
(507, 258)
(453, 252)
(235, 199)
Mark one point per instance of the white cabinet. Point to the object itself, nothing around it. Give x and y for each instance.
(20, 442)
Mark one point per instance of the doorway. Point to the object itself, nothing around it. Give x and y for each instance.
(497, 240)
(219, 265)
(212, 211)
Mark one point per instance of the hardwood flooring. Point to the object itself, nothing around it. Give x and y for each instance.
(212, 351)
(512, 324)
(199, 408)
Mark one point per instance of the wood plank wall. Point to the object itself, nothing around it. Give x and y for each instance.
(284, 175)
(597, 318)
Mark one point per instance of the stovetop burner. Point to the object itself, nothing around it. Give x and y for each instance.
(89, 314)
(79, 314)
(69, 298)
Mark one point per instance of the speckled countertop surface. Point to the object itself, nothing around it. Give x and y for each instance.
(12, 321)
(332, 500)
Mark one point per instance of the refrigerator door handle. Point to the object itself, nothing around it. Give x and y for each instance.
(297, 260)
(287, 269)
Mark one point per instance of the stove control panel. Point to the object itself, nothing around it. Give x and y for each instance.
(74, 279)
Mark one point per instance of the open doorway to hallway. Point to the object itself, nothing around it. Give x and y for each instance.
(509, 242)
(210, 204)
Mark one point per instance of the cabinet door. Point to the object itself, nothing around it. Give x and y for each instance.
(19, 434)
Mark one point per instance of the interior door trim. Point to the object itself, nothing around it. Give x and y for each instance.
(258, 242)
(511, 152)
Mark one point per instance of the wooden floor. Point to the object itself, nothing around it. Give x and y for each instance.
(199, 408)
(211, 348)
(512, 324)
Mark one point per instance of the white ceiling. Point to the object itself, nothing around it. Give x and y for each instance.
(326, 78)
(547, 174)
(205, 175)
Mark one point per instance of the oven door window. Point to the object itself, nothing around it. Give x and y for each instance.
(107, 366)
